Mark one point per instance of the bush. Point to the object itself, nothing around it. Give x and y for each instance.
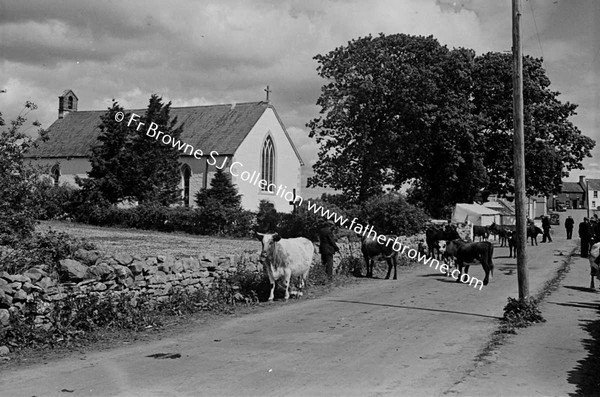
(304, 222)
(391, 214)
(17, 180)
(253, 286)
(521, 313)
(50, 201)
(267, 218)
(41, 250)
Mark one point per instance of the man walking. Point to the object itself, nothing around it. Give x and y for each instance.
(585, 233)
(546, 228)
(569, 223)
(327, 247)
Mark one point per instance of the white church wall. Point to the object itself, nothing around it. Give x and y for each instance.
(287, 165)
(69, 168)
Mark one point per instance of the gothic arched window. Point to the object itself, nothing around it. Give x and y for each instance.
(55, 173)
(186, 174)
(70, 102)
(268, 164)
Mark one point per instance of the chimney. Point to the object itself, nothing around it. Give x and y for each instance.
(67, 102)
(582, 181)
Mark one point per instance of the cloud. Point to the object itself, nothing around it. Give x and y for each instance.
(197, 53)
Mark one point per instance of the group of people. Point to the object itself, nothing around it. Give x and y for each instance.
(589, 233)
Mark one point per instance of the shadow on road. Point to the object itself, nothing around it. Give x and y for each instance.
(415, 308)
(578, 288)
(585, 374)
(579, 305)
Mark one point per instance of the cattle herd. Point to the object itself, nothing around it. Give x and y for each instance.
(292, 258)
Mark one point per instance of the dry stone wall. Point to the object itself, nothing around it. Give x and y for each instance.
(90, 272)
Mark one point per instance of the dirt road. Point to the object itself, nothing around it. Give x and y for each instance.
(418, 335)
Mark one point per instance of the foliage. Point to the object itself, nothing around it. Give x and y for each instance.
(210, 220)
(50, 201)
(127, 165)
(404, 109)
(82, 317)
(220, 204)
(222, 190)
(254, 286)
(340, 200)
(521, 313)
(395, 109)
(17, 179)
(391, 214)
(267, 217)
(304, 222)
(553, 145)
(41, 250)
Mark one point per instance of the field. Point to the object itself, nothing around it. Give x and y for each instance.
(150, 243)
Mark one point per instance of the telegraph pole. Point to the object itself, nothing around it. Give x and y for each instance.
(519, 152)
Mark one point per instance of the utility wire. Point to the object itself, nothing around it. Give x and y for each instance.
(536, 27)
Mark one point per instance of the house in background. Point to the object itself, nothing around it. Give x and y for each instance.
(477, 214)
(504, 207)
(593, 193)
(572, 196)
(250, 136)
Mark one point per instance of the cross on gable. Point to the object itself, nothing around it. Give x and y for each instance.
(268, 91)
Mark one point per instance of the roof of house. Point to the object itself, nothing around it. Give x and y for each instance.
(500, 206)
(221, 128)
(572, 187)
(476, 209)
(593, 184)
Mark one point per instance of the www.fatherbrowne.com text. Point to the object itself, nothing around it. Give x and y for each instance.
(254, 179)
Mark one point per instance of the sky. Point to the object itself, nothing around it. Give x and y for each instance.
(224, 51)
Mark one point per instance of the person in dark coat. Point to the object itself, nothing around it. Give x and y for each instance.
(585, 234)
(546, 229)
(327, 247)
(595, 233)
(569, 223)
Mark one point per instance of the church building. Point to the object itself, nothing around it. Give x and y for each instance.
(250, 135)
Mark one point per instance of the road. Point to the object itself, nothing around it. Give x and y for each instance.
(418, 335)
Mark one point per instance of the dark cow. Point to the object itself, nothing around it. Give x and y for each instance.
(481, 231)
(502, 231)
(532, 232)
(434, 235)
(467, 253)
(449, 253)
(380, 248)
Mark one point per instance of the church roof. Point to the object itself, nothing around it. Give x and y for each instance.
(216, 127)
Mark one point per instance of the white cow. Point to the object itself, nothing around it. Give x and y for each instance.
(285, 257)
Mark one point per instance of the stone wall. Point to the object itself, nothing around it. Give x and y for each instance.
(91, 272)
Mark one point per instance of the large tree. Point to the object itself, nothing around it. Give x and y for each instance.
(397, 108)
(553, 145)
(127, 164)
(403, 108)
